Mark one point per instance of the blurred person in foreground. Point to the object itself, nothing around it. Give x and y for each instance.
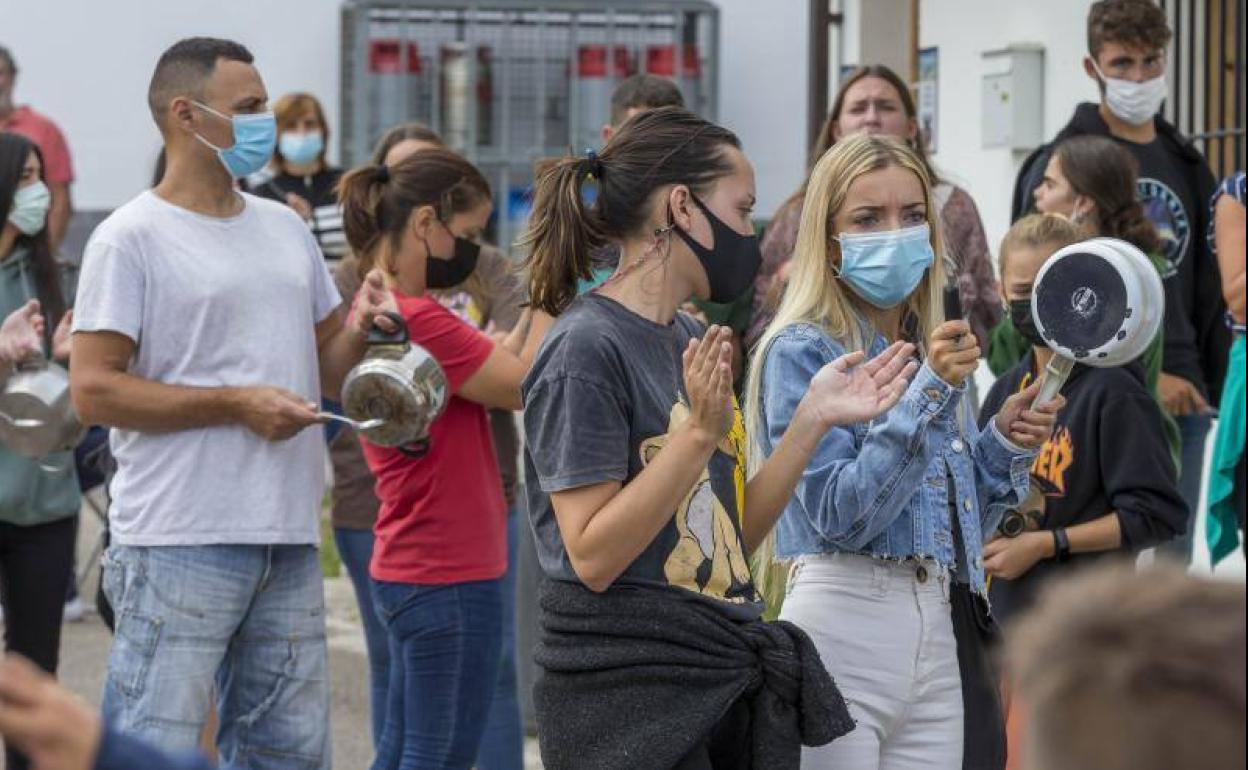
(1124, 670)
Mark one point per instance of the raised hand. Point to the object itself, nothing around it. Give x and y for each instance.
(371, 301)
(1025, 424)
(848, 390)
(953, 352)
(61, 337)
(21, 334)
(708, 382)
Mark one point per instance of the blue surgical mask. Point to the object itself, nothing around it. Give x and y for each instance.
(299, 149)
(884, 268)
(29, 213)
(254, 139)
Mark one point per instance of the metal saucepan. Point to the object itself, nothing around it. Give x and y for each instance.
(399, 384)
(1098, 302)
(36, 415)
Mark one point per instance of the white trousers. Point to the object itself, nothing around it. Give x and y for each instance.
(884, 632)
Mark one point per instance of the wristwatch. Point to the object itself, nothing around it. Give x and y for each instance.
(1061, 545)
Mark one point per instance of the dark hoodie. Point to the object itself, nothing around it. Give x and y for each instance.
(1107, 453)
(1175, 183)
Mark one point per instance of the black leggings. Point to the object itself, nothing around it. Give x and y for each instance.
(35, 565)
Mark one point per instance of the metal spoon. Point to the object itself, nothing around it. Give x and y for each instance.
(376, 422)
(21, 422)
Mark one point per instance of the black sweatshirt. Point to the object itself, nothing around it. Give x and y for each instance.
(1108, 452)
(319, 191)
(1175, 185)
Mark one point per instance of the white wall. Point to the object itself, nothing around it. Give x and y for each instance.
(86, 63)
(963, 30)
(763, 90)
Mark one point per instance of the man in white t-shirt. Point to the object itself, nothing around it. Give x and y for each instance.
(206, 329)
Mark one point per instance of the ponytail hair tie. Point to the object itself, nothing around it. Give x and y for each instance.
(382, 174)
(593, 165)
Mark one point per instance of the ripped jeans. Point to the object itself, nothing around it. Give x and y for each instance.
(245, 620)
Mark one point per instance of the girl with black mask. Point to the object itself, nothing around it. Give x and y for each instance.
(652, 651)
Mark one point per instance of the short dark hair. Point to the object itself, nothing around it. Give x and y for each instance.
(7, 57)
(1137, 23)
(183, 68)
(646, 91)
(1126, 670)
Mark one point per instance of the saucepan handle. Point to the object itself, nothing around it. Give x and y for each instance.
(415, 449)
(399, 337)
(1055, 375)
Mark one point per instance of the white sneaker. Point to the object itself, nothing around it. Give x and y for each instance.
(75, 610)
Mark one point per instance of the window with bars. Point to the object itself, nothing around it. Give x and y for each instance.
(1206, 78)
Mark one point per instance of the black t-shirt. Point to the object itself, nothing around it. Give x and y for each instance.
(1169, 202)
(1107, 452)
(603, 395)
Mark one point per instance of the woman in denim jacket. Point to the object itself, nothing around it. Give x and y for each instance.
(870, 529)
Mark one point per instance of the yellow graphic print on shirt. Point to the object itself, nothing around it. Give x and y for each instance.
(1048, 471)
(708, 558)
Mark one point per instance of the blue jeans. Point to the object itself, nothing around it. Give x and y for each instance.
(502, 747)
(355, 547)
(445, 644)
(1194, 429)
(247, 619)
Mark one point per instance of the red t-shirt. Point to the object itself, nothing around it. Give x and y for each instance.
(443, 518)
(57, 167)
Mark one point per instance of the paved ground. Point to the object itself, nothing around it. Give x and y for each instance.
(85, 645)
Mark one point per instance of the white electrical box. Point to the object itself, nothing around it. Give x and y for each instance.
(1012, 97)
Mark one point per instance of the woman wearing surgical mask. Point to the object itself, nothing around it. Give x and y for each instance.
(875, 100)
(652, 651)
(889, 512)
(299, 176)
(39, 497)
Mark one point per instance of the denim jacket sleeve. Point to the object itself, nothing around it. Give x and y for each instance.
(1002, 473)
(861, 478)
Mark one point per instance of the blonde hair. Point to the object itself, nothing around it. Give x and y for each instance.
(1035, 231)
(815, 294)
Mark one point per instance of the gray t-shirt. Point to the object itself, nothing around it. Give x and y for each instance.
(212, 303)
(603, 395)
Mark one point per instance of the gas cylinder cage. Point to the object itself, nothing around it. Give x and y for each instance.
(509, 84)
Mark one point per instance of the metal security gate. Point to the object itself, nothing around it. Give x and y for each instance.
(1206, 77)
(509, 83)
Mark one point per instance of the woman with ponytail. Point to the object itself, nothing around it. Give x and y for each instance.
(441, 545)
(1091, 180)
(652, 651)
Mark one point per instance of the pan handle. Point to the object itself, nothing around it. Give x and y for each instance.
(1055, 375)
(378, 337)
(415, 449)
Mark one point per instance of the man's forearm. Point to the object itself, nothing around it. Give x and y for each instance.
(122, 400)
(339, 353)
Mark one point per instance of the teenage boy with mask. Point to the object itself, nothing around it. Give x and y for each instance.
(1104, 483)
(1127, 42)
(206, 329)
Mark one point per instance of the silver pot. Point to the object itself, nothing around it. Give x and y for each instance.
(36, 415)
(400, 384)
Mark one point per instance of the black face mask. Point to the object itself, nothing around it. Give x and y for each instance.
(1020, 316)
(731, 264)
(447, 273)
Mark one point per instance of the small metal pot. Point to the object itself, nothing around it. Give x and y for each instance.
(399, 383)
(36, 415)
